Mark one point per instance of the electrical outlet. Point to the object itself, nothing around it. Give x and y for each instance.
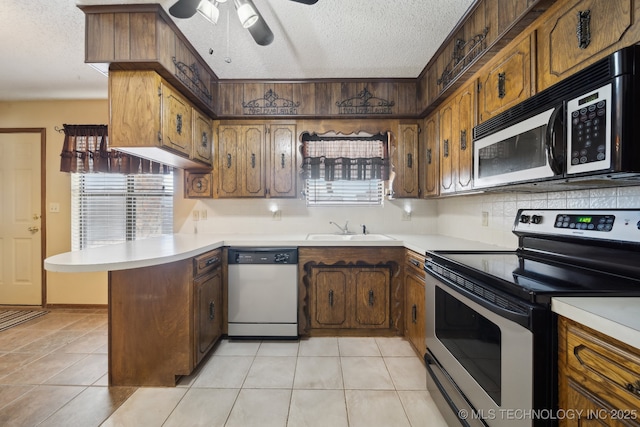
(54, 207)
(406, 216)
(203, 214)
(196, 215)
(276, 215)
(485, 219)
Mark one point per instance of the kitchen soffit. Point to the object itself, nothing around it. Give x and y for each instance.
(331, 39)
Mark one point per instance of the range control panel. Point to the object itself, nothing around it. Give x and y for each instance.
(607, 224)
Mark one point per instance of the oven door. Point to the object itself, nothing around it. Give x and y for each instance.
(528, 151)
(480, 357)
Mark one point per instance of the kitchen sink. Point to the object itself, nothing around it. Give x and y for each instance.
(348, 237)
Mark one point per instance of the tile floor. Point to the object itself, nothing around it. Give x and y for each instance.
(53, 373)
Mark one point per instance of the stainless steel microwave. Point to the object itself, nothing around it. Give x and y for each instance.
(583, 132)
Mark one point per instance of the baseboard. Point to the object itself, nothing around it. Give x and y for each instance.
(77, 306)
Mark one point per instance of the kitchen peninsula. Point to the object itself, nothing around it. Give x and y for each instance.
(153, 314)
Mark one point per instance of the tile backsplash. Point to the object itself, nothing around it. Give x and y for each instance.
(462, 216)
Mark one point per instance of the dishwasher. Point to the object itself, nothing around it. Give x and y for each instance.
(263, 292)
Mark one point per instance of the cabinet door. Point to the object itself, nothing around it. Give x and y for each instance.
(134, 108)
(329, 298)
(229, 161)
(253, 164)
(582, 32)
(464, 121)
(202, 138)
(406, 162)
(429, 162)
(371, 297)
(198, 185)
(176, 121)
(282, 170)
(208, 312)
(506, 81)
(447, 171)
(415, 311)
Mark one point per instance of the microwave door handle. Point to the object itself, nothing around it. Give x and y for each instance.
(550, 140)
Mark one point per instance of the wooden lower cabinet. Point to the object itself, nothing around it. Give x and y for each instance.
(163, 319)
(414, 301)
(598, 378)
(350, 297)
(347, 290)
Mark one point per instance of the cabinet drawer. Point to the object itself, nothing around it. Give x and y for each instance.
(415, 263)
(206, 262)
(607, 367)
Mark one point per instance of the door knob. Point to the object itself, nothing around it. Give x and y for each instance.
(33, 229)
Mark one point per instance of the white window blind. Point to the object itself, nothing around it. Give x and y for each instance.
(342, 192)
(113, 208)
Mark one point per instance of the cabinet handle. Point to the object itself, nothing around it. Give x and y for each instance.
(253, 161)
(371, 299)
(331, 298)
(414, 314)
(634, 388)
(428, 156)
(211, 261)
(212, 311)
(415, 262)
(228, 160)
(463, 139)
(410, 160)
(446, 148)
(179, 124)
(583, 30)
(501, 85)
(282, 157)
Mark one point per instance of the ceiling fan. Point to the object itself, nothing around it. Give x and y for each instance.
(249, 16)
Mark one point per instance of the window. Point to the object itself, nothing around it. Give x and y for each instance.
(343, 170)
(114, 208)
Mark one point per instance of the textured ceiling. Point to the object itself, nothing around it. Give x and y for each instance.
(43, 42)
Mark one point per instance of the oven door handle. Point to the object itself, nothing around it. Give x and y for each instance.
(521, 318)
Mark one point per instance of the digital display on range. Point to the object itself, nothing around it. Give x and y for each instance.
(589, 98)
(583, 222)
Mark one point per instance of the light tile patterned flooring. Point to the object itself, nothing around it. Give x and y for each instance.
(53, 372)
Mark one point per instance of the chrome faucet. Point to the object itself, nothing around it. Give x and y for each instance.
(343, 230)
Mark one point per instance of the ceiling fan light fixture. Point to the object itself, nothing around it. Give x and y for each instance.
(246, 13)
(209, 11)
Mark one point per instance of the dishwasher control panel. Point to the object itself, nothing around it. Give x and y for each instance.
(263, 255)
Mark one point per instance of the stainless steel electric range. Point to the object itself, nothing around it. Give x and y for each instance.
(491, 335)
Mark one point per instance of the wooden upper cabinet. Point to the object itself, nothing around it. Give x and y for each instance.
(505, 81)
(282, 168)
(463, 133)
(429, 161)
(457, 118)
(406, 183)
(240, 161)
(176, 121)
(446, 157)
(578, 33)
(202, 137)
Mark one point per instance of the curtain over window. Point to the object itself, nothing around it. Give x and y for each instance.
(344, 170)
(86, 150)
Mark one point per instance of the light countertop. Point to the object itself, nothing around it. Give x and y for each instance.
(169, 248)
(617, 317)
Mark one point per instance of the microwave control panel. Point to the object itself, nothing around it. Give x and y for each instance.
(589, 131)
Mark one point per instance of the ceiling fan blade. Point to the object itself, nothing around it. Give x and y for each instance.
(260, 31)
(184, 8)
(309, 2)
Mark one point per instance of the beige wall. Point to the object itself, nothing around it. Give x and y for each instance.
(61, 288)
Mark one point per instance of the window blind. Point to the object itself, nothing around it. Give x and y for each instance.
(320, 192)
(114, 208)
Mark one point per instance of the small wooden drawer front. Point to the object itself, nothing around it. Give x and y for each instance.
(609, 368)
(206, 262)
(415, 262)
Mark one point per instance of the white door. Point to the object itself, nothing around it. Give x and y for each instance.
(20, 219)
